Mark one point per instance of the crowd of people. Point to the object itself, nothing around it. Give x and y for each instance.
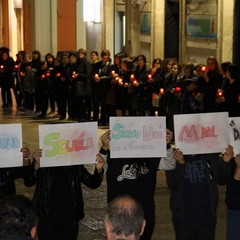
(122, 86)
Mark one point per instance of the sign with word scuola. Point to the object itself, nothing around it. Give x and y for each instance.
(10, 145)
(68, 144)
(201, 133)
(138, 137)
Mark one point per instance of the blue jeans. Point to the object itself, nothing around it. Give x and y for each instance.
(233, 224)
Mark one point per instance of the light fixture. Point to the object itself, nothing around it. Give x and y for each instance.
(92, 11)
(18, 4)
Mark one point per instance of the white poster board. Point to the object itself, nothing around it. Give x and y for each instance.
(234, 125)
(11, 145)
(138, 137)
(68, 144)
(201, 133)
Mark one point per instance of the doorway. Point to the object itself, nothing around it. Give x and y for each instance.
(120, 29)
(171, 38)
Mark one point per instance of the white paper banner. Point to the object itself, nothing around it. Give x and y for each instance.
(10, 145)
(234, 124)
(138, 137)
(68, 144)
(201, 133)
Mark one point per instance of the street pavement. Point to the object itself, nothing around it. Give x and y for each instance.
(92, 227)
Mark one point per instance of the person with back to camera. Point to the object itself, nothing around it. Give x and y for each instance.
(18, 218)
(58, 197)
(136, 177)
(124, 219)
(194, 193)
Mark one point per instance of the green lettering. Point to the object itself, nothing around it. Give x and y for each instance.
(51, 140)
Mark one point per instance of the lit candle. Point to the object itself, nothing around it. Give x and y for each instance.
(177, 89)
(43, 76)
(48, 74)
(161, 91)
(1, 67)
(58, 74)
(132, 78)
(120, 81)
(156, 113)
(219, 93)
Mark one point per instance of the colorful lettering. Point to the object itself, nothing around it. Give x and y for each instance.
(65, 146)
(149, 134)
(120, 132)
(9, 143)
(193, 135)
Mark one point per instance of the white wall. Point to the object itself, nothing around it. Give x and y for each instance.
(197, 50)
(41, 26)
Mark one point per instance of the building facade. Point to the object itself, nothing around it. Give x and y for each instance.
(189, 30)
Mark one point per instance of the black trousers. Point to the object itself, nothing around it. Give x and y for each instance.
(190, 231)
(57, 229)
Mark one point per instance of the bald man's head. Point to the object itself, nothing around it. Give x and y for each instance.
(124, 219)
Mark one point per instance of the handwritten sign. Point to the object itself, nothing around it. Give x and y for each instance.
(234, 124)
(139, 137)
(10, 145)
(201, 133)
(68, 144)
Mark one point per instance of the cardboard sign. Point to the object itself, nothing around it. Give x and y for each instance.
(201, 133)
(68, 144)
(234, 124)
(138, 137)
(10, 145)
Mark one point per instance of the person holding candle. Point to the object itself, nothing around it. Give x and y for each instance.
(210, 81)
(122, 94)
(81, 88)
(155, 84)
(140, 91)
(173, 94)
(6, 77)
(230, 99)
(61, 85)
(101, 84)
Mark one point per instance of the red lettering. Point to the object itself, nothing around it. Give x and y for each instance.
(190, 134)
(208, 132)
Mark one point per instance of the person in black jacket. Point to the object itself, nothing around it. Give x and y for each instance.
(61, 85)
(194, 193)
(101, 85)
(230, 100)
(232, 200)
(9, 175)
(210, 81)
(137, 178)
(58, 197)
(6, 77)
(81, 88)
